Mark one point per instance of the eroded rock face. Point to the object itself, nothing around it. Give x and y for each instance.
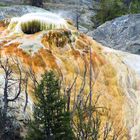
(10, 2)
(84, 9)
(122, 33)
(115, 75)
(17, 11)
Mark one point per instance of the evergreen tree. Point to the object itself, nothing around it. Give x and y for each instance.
(37, 3)
(110, 9)
(135, 6)
(51, 120)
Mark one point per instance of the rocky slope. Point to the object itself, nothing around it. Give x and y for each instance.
(70, 9)
(16, 11)
(84, 9)
(122, 33)
(58, 46)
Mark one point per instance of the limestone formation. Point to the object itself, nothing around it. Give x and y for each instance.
(115, 74)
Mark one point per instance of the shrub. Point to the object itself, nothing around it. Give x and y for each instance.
(9, 128)
(135, 7)
(110, 9)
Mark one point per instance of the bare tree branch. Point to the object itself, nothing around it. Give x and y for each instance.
(19, 85)
(26, 93)
(69, 92)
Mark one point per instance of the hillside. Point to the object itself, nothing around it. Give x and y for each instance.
(122, 33)
(58, 46)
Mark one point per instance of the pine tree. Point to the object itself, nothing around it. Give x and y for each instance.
(51, 120)
(37, 3)
(110, 9)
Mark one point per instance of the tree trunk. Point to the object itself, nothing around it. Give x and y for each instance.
(5, 98)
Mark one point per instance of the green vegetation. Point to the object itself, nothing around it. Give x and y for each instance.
(35, 26)
(110, 9)
(37, 3)
(88, 122)
(135, 7)
(55, 117)
(9, 128)
(51, 119)
(3, 4)
(31, 27)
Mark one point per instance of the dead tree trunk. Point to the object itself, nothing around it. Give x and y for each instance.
(11, 91)
(10, 82)
(26, 93)
(78, 13)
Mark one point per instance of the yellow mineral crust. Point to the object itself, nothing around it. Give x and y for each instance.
(67, 53)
